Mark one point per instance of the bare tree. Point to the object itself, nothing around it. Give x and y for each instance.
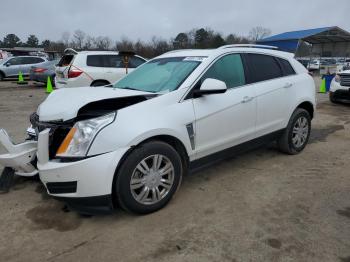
(259, 32)
(124, 45)
(235, 39)
(103, 43)
(79, 37)
(89, 43)
(65, 38)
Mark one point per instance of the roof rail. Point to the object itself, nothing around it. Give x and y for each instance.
(70, 51)
(248, 45)
(178, 50)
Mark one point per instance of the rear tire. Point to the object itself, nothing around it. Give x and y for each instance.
(7, 179)
(100, 83)
(297, 133)
(148, 178)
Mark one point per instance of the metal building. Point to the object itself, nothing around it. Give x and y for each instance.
(322, 42)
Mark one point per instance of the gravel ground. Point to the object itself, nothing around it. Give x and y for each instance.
(259, 206)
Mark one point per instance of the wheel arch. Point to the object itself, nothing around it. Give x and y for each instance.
(2, 73)
(308, 106)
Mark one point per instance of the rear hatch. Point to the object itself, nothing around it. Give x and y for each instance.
(63, 66)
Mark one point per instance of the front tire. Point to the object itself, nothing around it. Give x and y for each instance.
(148, 178)
(297, 133)
(331, 98)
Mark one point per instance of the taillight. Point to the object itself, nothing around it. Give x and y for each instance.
(39, 70)
(74, 72)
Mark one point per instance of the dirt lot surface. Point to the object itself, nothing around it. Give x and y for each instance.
(260, 206)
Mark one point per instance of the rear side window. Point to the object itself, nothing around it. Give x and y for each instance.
(32, 60)
(28, 60)
(286, 67)
(228, 69)
(105, 61)
(65, 60)
(262, 67)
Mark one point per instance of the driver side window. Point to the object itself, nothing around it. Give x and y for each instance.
(228, 69)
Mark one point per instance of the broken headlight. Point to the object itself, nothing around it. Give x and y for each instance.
(80, 137)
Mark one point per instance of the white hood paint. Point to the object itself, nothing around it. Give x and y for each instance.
(64, 104)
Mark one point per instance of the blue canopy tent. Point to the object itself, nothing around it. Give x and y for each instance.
(325, 41)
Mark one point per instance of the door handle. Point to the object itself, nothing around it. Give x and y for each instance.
(288, 85)
(247, 99)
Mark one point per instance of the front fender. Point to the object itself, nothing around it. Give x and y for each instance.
(162, 132)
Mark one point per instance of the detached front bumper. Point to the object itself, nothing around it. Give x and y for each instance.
(86, 185)
(20, 157)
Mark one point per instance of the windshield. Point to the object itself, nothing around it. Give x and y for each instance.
(160, 75)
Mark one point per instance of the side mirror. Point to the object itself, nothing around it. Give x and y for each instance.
(7, 64)
(211, 86)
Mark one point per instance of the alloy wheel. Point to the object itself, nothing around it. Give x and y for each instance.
(300, 132)
(152, 179)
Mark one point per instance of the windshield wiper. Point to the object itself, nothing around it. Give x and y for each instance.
(129, 88)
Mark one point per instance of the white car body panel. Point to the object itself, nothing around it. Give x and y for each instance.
(102, 166)
(233, 116)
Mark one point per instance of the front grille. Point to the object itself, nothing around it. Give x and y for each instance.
(345, 79)
(58, 131)
(62, 187)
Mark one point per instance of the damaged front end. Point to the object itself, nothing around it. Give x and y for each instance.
(22, 158)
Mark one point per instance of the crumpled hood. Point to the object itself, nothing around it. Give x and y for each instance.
(64, 104)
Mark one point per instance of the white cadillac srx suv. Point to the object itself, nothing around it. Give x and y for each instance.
(129, 144)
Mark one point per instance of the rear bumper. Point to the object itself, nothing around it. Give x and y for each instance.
(79, 81)
(42, 78)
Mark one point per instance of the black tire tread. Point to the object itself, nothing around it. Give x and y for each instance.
(284, 143)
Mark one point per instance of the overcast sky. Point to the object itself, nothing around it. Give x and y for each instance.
(142, 19)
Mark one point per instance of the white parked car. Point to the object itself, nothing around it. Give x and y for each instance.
(314, 64)
(93, 68)
(131, 143)
(339, 90)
